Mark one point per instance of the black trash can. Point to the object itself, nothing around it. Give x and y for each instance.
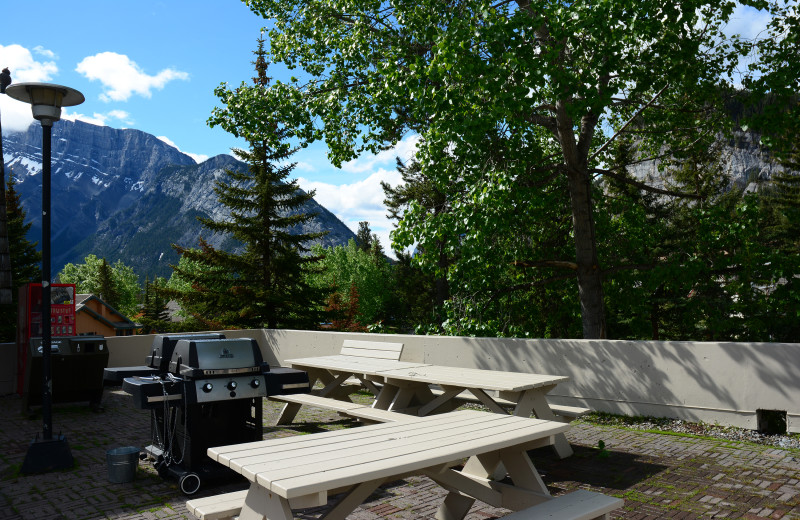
(77, 364)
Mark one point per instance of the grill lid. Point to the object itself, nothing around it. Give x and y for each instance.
(215, 357)
(163, 345)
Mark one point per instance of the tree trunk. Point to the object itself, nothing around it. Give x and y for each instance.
(590, 283)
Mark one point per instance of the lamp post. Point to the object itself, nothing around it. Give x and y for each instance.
(46, 100)
(6, 285)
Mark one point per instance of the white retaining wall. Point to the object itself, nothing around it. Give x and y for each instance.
(723, 383)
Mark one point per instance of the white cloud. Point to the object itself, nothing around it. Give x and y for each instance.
(305, 167)
(168, 141)
(24, 68)
(120, 116)
(361, 200)
(122, 78)
(748, 22)
(47, 53)
(358, 201)
(405, 149)
(198, 158)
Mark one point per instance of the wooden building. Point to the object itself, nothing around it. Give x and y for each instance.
(94, 316)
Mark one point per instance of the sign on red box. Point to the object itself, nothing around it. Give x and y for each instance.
(29, 321)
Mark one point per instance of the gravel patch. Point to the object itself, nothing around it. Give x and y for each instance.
(787, 441)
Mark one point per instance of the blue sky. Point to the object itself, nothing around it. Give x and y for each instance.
(153, 65)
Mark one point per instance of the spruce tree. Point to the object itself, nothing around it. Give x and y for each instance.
(264, 284)
(155, 314)
(364, 236)
(25, 259)
(108, 288)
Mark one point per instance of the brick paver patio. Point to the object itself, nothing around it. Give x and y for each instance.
(658, 475)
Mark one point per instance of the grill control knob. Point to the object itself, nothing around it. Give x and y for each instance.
(255, 383)
(208, 387)
(232, 385)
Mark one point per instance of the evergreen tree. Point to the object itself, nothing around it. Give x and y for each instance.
(25, 259)
(418, 189)
(364, 236)
(264, 284)
(155, 315)
(108, 289)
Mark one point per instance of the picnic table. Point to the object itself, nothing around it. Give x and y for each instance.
(302, 471)
(406, 388)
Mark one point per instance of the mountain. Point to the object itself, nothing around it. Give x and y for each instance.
(127, 195)
(742, 158)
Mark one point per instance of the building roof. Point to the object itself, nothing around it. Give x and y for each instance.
(122, 323)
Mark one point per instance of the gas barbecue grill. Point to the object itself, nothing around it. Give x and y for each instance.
(211, 395)
(158, 359)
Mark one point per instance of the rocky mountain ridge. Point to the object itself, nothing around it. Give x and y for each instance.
(127, 195)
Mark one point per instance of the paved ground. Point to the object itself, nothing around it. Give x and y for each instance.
(658, 475)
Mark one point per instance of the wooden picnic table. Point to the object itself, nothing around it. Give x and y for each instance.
(302, 471)
(406, 387)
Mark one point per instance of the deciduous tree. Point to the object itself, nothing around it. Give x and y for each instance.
(88, 278)
(509, 97)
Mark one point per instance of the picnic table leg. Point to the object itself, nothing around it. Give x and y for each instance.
(385, 397)
(400, 398)
(351, 500)
(288, 414)
(529, 488)
(314, 375)
(408, 393)
(333, 387)
(455, 507)
(534, 401)
(260, 504)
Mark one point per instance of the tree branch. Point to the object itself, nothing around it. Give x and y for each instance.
(645, 186)
(562, 264)
(628, 122)
(528, 285)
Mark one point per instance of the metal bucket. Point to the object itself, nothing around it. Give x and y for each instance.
(122, 464)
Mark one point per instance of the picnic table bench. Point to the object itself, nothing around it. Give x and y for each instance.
(578, 505)
(302, 471)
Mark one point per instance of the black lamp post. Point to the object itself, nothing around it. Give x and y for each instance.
(6, 287)
(46, 454)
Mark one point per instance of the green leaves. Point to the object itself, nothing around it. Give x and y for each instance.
(513, 103)
(95, 275)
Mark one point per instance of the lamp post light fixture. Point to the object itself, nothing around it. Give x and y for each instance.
(46, 100)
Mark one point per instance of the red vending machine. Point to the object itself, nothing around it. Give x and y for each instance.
(29, 321)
